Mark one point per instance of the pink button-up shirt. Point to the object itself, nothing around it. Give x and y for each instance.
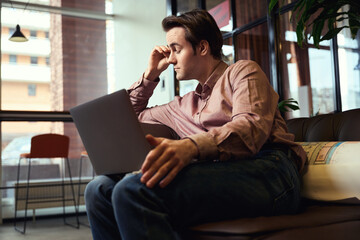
(231, 116)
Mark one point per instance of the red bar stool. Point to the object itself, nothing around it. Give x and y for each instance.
(46, 146)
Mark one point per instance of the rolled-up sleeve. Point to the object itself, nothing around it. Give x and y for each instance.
(140, 93)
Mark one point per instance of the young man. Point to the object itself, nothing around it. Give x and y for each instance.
(234, 159)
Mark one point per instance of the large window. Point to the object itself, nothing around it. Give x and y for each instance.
(77, 49)
(68, 60)
(253, 44)
(349, 64)
(322, 80)
(305, 73)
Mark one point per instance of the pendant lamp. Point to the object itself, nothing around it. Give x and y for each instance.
(18, 36)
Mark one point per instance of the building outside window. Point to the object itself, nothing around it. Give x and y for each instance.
(33, 33)
(12, 58)
(65, 63)
(32, 90)
(11, 31)
(34, 60)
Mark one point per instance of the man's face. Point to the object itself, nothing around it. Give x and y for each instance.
(182, 56)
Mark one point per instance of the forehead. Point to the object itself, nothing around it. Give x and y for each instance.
(176, 36)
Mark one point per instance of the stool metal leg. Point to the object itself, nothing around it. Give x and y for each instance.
(16, 197)
(73, 199)
(26, 200)
(79, 187)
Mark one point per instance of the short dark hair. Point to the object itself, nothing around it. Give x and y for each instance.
(199, 25)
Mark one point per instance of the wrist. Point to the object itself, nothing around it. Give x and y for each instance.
(192, 148)
(151, 75)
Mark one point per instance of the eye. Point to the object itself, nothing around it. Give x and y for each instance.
(177, 50)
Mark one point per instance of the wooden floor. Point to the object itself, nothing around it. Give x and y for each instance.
(47, 229)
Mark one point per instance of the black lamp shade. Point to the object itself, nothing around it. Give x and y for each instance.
(18, 36)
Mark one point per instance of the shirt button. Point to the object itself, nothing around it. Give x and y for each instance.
(197, 113)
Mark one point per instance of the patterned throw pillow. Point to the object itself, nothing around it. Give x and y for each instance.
(333, 171)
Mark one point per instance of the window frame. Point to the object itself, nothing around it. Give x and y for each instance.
(272, 20)
(41, 116)
(16, 115)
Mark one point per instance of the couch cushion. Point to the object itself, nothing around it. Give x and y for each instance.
(332, 173)
(343, 126)
(316, 215)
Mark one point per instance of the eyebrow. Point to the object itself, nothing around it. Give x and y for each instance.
(174, 44)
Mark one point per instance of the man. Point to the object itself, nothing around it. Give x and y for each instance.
(234, 159)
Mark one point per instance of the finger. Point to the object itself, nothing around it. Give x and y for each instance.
(161, 173)
(153, 154)
(162, 49)
(166, 51)
(151, 157)
(152, 166)
(170, 176)
(157, 54)
(153, 141)
(167, 55)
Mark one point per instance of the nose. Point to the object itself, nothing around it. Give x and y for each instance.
(171, 59)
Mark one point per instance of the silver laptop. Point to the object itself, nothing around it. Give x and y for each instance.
(111, 133)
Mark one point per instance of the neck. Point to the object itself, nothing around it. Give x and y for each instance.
(210, 66)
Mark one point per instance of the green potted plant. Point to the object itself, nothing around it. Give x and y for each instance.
(288, 105)
(317, 13)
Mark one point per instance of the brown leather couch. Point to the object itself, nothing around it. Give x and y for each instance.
(316, 220)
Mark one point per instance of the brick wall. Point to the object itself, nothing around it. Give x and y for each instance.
(78, 62)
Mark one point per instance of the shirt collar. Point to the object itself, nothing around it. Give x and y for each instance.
(205, 90)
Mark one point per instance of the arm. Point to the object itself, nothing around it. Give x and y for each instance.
(253, 116)
(253, 104)
(142, 90)
(168, 156)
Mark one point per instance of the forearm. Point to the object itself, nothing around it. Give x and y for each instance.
(140, 93)
(152, 74)
(242, 137)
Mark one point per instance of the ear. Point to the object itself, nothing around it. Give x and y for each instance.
(204, 48)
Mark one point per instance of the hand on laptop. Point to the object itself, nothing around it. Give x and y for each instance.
(166, 160)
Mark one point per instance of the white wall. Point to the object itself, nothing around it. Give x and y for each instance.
(137, 30)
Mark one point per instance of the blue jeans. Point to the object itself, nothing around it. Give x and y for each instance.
(267, 184)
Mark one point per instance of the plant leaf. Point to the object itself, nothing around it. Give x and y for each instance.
(354, 18)
(300, 33)
(327, 11)
(272, 4)
(316, 32)
(287, 104)
(332, 33)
